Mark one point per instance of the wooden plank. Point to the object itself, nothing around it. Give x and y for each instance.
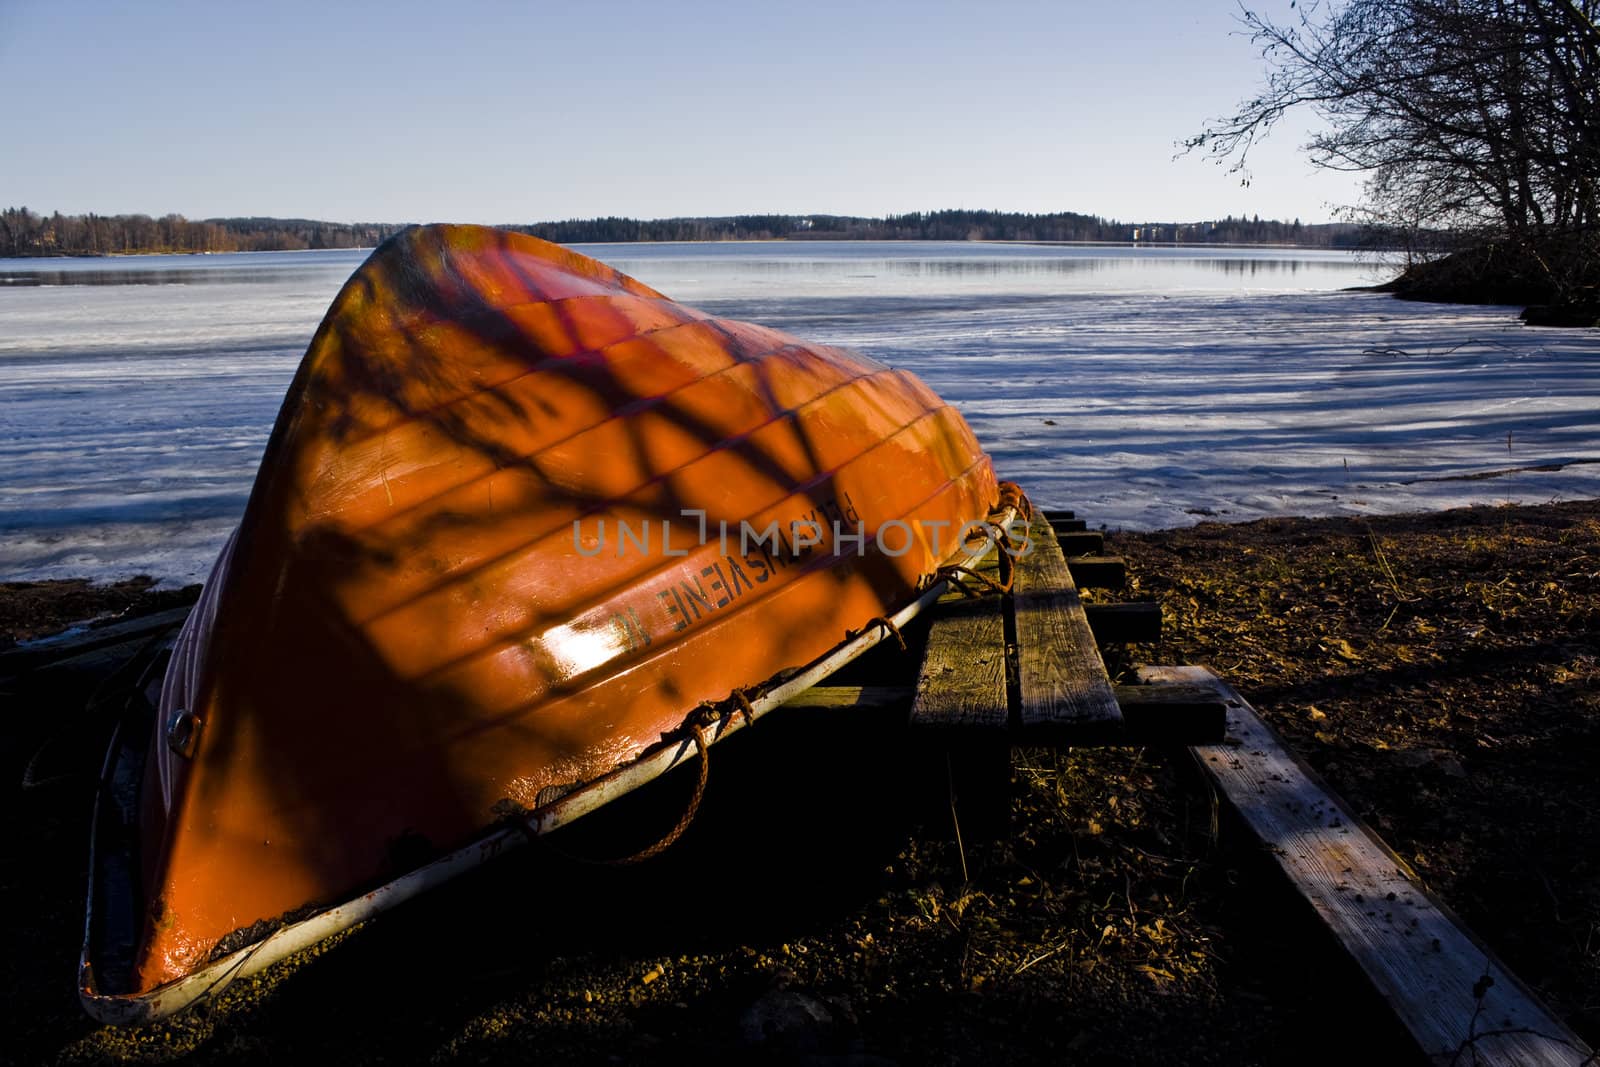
(852, 696)
(1081, 544)
(1178, 713)
(1419, 956)
(1062, 526)
(1132, 622)
(1062, 681)
(1098, 572)
(1057, 514)
(53, 649)
(962, 682)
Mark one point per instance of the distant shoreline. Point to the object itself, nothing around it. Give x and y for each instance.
(27, 234)
(183, 253)
(845, 239)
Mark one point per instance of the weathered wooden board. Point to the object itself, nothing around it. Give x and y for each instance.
(852, 696)
(962, 682)
(1062, 681)
(1455, 997)
(1132, 622)
(52, 650)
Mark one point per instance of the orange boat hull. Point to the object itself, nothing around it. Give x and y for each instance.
(519, 517)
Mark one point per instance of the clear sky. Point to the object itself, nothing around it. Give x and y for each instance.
(521, 112)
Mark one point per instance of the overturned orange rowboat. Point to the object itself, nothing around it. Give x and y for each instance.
(526, 535)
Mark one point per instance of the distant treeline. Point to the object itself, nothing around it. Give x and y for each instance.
(25, 233)
(945, 226)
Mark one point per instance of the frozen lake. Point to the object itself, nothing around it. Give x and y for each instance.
(1142, 387)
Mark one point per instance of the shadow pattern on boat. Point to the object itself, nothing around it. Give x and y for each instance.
(370, 719)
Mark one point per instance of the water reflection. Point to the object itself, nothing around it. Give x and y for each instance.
(715, 272)
(226, 268)
(146, 276)
(840, 264)
(859, 269)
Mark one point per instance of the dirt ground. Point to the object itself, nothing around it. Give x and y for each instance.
(1442, 671)
(30, 610)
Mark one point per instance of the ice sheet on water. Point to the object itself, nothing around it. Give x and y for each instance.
(1141, 392)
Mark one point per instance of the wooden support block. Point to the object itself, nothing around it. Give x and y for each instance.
(1061, 526)
(1062, 681)
(1135, 622)
(1173, 713)
(1081, 544)
(1057, 514)
(1422, 960)
(963, 677)
(1098, 572)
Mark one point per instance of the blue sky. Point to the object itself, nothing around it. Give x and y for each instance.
(519, 112)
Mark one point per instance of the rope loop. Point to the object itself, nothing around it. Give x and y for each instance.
(745, 708)
(888, 626)
(697, 724)
(954, 573)
(1012, 496)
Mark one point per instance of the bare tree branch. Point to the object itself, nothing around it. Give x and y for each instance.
(1467, 115)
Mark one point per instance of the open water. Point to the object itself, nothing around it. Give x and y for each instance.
(1143, 385)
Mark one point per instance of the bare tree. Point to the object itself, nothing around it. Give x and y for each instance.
(1481, 117)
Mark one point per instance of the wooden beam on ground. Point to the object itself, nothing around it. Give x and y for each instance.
(1062, 526)
(52, 650)
(1456, 998)
(1134, 622)
(1062, 681)
(962, 682)
(1098, 572)
(1057, 514)
(1081, 544)
(1178, 713)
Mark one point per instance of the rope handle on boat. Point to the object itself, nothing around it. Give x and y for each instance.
(888, 627)
(696, 726)
(1011, 496)
(697, 723)
(955, 572)
(747, 709)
